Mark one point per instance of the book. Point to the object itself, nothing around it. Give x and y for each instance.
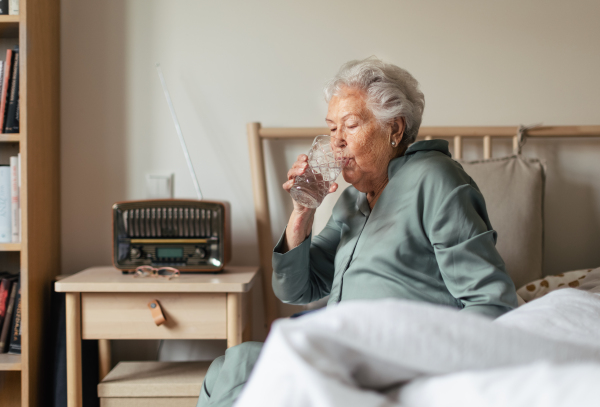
(5, 209)
(7, 323)
(19, 182)
(5, 83)
(5, 284)
(13, 7)
(11, 122)
(3, 6)
(17, 124)
(1, 75)
(14, 346)
(14, 199)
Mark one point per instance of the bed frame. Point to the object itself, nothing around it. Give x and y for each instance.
(257, 134)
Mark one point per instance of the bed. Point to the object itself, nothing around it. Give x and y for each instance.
(546, 352)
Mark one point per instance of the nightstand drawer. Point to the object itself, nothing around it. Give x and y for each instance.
(127, 316)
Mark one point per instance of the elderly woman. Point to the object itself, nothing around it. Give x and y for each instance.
(412, 226)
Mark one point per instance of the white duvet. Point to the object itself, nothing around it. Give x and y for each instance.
(401, 353)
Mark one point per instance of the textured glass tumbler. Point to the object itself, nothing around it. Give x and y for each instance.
(324, 165)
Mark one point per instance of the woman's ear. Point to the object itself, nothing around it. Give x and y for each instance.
(398, 126)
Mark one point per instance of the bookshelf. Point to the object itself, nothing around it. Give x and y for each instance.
(10, 247)
(10, 362)
(10, 138)
(24, 379)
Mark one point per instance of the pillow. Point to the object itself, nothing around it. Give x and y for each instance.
(513, 188)
(586, 280)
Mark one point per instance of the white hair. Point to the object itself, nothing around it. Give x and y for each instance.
(391, 92)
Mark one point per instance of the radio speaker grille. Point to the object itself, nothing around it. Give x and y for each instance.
(170, 222)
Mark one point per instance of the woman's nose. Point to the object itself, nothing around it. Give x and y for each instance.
(338, 141)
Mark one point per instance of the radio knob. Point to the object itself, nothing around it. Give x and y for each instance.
(135, 253)
(200, 252)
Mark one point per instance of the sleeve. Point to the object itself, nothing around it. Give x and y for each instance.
(305, 273)
(465, 249)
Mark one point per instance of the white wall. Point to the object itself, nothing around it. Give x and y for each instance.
(231, 62)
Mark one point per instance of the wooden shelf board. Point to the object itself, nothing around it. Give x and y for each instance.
(10, 137)
(5, 19)
(10, 362)
(9, 26)
(10, 247)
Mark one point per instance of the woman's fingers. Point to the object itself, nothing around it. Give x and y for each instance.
(294, 172)
(288, 185)
(298, 168)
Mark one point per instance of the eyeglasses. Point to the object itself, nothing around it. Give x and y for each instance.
(149, 271)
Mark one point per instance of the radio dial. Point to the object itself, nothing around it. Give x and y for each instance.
(200, 252)
(135, 253)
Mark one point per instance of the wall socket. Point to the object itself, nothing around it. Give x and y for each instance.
(159, 186)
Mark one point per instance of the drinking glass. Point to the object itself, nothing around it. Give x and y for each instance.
(325, 162)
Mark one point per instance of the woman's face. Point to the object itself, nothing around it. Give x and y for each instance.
(367, 144)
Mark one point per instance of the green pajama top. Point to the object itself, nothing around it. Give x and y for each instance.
(428, 238)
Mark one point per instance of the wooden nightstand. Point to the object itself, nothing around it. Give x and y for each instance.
(103, 303)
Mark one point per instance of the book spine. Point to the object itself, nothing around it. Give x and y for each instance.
(14, 198)
(17, 124)
(5, 83)
(13, 7)
(3, 6)
(2, 65)
(19, 182)
(12, 123)
(14, 346)
(5, 222)
(8, 320)
(4, 297)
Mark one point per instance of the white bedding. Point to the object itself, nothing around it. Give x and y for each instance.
(401, 353)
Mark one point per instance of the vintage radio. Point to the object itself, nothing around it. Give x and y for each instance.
(189, 235)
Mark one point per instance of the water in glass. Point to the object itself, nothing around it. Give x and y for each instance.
(325, 162)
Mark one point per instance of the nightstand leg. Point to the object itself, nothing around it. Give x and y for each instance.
(73, 320)
(103, 358)
(234, 319)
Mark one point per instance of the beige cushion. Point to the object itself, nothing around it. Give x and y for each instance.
(586, 280)
(513, 188)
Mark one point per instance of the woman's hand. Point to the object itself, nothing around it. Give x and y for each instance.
(299, 168)
(301, 220)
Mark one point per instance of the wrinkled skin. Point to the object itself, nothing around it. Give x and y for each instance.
(366, 143)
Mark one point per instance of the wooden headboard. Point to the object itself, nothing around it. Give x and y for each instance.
(257, 134)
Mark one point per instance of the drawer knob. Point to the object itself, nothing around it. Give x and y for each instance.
(156, 312)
